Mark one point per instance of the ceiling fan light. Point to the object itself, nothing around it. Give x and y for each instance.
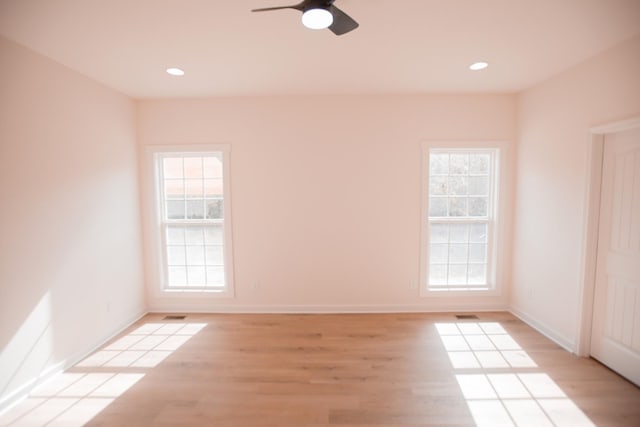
(317, 18)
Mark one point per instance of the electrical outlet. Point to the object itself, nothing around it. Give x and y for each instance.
(413, 284)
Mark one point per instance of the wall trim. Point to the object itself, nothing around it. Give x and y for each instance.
(563, 341)
(322, 309)
(23, 392)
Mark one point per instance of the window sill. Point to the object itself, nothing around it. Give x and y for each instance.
(200, 293)
(456, 293)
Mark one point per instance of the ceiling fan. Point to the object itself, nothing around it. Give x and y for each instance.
(319, 14)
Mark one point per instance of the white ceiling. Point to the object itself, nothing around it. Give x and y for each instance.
(402, 46)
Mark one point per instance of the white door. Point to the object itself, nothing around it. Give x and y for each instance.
(615, 337)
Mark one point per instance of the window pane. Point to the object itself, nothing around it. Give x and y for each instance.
(439, 164)
(177, 276)
(478, 233)
(458, 253)
(212, 167)
(479, 164)
(477, 274)
(458, 185)
(193, 167)
(193, 187)
(438, 274)
(477, 206)
(459, 233)
(174, 188)
(477, 253)
(214, 209)
(172, 167)
(458, 206)
(196, 276)
(215, 276)
(479, 186)
(439, 253)
(175, 235)
(195, 255)
(459, 164)
(437, 206)
(439, 233)
(175, 255)
(194, 235)
(213, 187)
(457, 274)
(438, 186)
(214, 255)
(213, 234)
(195, 209)
(175, 209)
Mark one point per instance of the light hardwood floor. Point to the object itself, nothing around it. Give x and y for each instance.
(348, 370)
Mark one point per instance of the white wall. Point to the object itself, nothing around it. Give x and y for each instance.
(554, 118)
(326, 193)
(70, 249)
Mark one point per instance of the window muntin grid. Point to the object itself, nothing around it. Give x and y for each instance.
(460, 218)
(192, 220)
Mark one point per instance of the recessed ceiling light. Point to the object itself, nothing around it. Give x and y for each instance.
(175, 71)
(478, 66)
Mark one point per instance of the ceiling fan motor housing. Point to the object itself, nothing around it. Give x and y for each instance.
(315, 4)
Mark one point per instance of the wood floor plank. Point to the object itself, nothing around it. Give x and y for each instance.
(351, 370)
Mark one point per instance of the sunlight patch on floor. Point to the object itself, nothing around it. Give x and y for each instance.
(495, 399)
(69, 399)
(145, 347)
(72, 399)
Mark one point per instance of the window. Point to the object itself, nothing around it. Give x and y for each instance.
(460, 229)
(193, 229)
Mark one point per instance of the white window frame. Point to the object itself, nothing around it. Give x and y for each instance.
(156, 236)
(496, 220)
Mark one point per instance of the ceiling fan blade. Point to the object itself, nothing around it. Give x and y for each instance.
(300, 6)
(265, 9)
(342, 23)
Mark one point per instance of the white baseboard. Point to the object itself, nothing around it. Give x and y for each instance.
(320, 309)
(22, 392)
(563, 341)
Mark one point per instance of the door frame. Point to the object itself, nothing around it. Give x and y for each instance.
(595, 151)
